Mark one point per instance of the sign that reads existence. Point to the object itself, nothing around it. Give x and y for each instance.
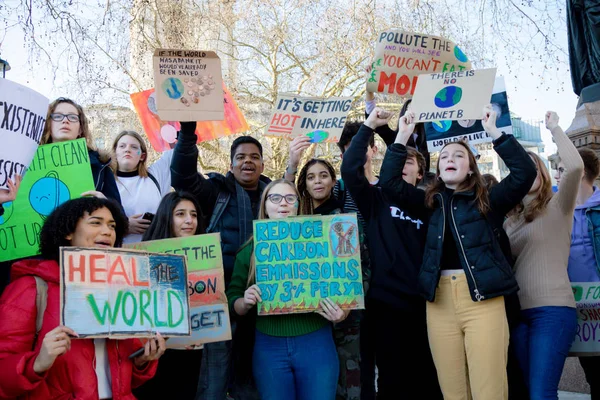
(120, 293)
(301, 260)
(209, 312)
(401, 56)
(587, 338)
(453, 95)
(57, 173)
(22, 119)
(188, 85)
(321, 119)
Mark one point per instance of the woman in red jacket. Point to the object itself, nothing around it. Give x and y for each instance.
(49, 364)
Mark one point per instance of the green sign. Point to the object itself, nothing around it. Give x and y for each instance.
(302, 260)
(58, 172)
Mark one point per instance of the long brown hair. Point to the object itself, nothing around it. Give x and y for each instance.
(473, 183)
(83, 123)
(543, 194)
(306, 203)
(262, 214)
(141, 168)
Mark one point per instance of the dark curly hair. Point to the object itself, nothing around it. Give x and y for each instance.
(306, 203)
(63, 221)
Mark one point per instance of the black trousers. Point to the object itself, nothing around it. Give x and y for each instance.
(591, 367)
(402, 354)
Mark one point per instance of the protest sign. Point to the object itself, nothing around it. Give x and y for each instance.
(453, 95)
(439, 133)
(58, 172)
(188, 85)
(587, 338)
(321, 119)
(123, 293)
(23, 116)
(401, 56)
(163, 135)
(302, 260)
(209, 312)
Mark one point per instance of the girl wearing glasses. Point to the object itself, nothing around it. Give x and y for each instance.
(294, 355)
(67, 121)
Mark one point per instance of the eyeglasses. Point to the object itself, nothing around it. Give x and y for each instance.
(276, 198)
(56, 117)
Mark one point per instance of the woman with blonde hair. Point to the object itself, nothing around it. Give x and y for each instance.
(540, 235)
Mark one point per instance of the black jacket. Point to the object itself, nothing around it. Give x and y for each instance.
(104, 178)
(395, 235)
(488, 272)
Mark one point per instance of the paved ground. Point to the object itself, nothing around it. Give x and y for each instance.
(573, 396)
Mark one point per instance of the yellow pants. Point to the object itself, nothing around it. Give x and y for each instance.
(469, 342)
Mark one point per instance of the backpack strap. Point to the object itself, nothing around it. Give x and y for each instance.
(220, 205)
(155, 181)
(341, 196)
(41, 300)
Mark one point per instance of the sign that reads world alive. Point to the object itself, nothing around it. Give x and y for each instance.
(302, 260)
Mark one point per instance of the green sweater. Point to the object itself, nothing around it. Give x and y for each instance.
(286, 325)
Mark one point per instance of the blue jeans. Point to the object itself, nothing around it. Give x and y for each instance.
(296, 368)
(541, 342)
(215, 370)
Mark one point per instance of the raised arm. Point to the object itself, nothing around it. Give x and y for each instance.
(161, 170)
(570, 180)
(184, 169)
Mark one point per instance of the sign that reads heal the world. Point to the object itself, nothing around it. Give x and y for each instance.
(22, 119)
(188, 85)
(453, 95)
(401, 56)
(302, 260)
(587, 337)
(58, 172)
(321, 119)
(209, 312)
(120, 293)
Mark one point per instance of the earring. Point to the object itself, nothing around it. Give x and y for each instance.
(470, 173)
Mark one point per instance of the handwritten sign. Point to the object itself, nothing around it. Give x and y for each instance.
(22, 119)
(119, 293)
(188, 85)
(58, 172)
(453, 95)
(209, 312)
(163, 135)
(401, 56)
(440, 133)
(300, 261)
(321, 119)
(587, 338)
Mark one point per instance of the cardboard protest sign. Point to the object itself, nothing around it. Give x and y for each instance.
(453, 95)
(401, 56)
(121, 293)
(439, 133)
(23, 116)
(163, 135)
(301, 260)
(321, 119)
(58, 172)
(587, 338)
(188, 85)
(209, 312)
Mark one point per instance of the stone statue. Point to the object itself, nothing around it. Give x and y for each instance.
(583, 26)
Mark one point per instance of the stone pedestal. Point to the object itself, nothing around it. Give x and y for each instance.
(585, 128)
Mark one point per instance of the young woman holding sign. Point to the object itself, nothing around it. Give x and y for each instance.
(294, 355)
(41, 359)
(141, 187)
(464, 274)
(67, 121)
(177, 216)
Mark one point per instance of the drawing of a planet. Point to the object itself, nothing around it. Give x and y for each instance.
(48, 193)
(8, 211)
(441, 126)
(317, 136)
(448, 97)
(173, 87)
(460, 56)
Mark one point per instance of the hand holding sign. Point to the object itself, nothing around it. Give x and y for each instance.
(297, 147)
(6, 196)
(252, 296)
(56, 343)
(489, 122)
(332, 312)
(378, 117)
(551, 120)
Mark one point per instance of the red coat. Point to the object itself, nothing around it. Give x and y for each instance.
(72, 376)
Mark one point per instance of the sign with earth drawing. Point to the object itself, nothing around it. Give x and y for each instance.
(57, 173)
(302, 260)
(400, 57)
(453, 96)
